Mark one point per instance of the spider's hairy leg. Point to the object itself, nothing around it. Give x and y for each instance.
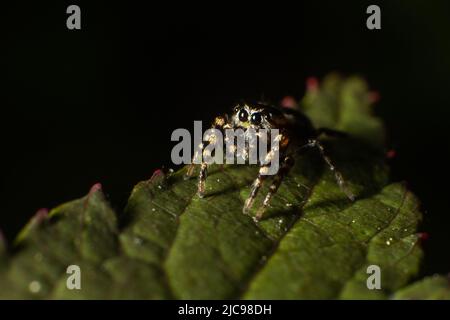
(191, 167)
(286, 165)
(339, 178)
(219, 123)
(256, 185)
(202, 179)
(264, 169)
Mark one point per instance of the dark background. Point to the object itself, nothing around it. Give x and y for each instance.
(100, 104)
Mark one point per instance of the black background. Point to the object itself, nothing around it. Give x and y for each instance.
(100, 104)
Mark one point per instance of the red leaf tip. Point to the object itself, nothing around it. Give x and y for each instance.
(2, 237)
(96, 187)
(289, 102)
(312, 84)
(158, 174)
(374, 96)
(423, 236)
(40, 215)
(391, 154)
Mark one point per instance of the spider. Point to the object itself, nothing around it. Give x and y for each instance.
(296, 133)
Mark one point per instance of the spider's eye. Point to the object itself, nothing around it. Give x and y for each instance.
(243, 115)
(256, 118)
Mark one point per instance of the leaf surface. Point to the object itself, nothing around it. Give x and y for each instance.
(312, 244)
(430, 288)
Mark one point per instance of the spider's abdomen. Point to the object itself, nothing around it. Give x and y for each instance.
(298, 125)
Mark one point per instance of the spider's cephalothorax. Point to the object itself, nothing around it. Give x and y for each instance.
(296, 132)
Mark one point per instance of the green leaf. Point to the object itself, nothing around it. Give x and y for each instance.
(430, 288)
(346, 106)
(313, 243)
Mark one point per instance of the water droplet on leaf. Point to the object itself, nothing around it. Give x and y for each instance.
(34, 286)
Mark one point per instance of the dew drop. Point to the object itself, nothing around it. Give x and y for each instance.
(388, 243)
(353, 221)
(153, 209)
(159, 186)
(171, 170)
(34, 286)
(218, 180)
(288, 204)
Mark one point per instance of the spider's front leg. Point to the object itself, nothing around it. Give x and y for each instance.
(262, 174)
(219, 123)
(286, 165)
(256, 185)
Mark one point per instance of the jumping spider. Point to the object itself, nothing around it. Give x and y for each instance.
(296, 133)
